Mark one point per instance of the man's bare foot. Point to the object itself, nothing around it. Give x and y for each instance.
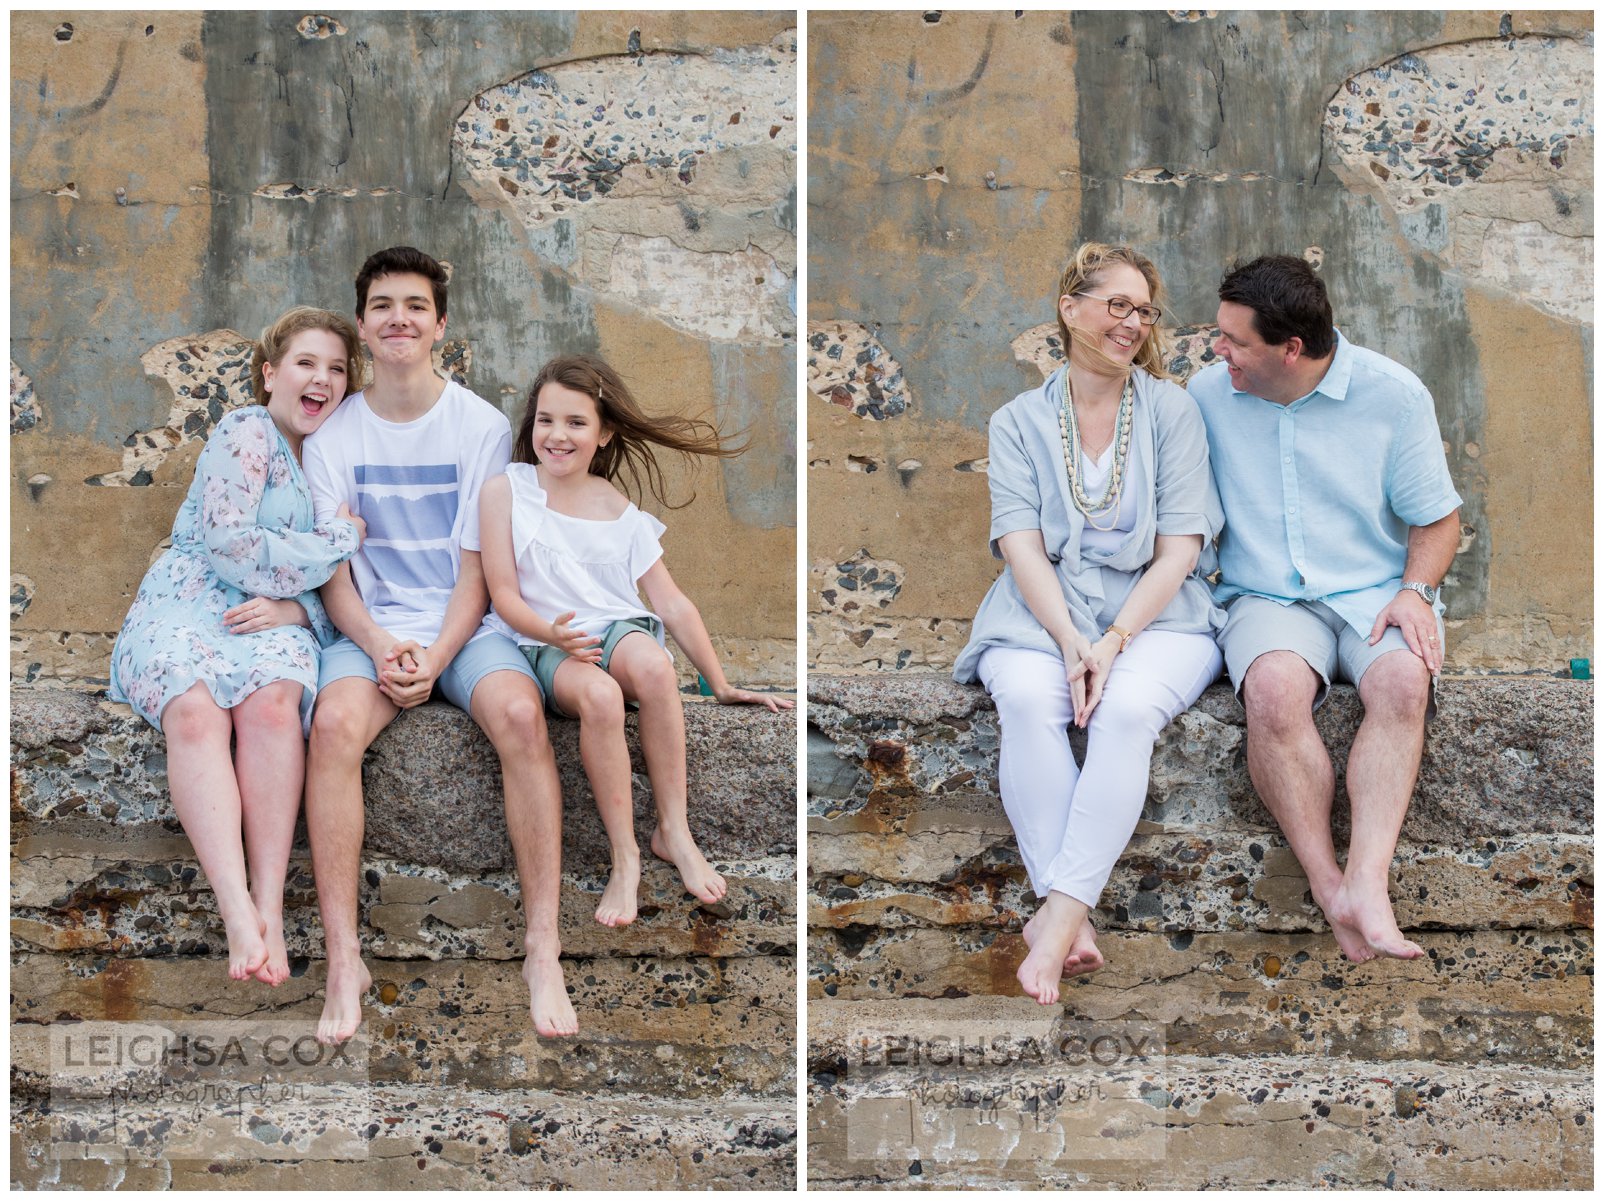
(1350, 941)
(247, 944)
(1083, 957)
(1083, 954)
(549, 1006)
(348, 982)
(276, 969)
(698, 876)
(1368, 912)
(617, 907)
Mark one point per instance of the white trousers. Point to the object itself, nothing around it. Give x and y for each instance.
(1072, 823)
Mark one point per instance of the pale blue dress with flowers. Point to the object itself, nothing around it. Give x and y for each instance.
(244, 530)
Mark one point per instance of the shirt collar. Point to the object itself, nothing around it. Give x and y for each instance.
(1335, 381)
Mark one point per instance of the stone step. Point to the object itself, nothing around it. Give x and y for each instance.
(144, 896)
(1491, 997)
(1504, 756)
(431, 780)
(1172, 880)
(392, 1137)
(672, 1026)
(1194, 1122)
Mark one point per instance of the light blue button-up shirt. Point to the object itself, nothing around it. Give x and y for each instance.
(1319, 495)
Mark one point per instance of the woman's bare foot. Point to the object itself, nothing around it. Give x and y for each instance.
(276, 969)
(1051, 933)
(1368, 911)
(698, 876)
(1083, 957)
(617, 907)
(549, 1007)
(247, 944)
(342, 1005)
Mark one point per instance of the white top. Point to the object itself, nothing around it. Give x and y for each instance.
(416, 484)
(591, 568)
(1093, 479)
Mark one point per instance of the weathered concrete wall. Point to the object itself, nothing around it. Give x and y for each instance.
(621, 184)
(1436, 167)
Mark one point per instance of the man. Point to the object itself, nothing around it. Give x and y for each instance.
(409, 454)
(1340, 522)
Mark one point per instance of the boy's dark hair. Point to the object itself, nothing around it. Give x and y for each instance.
(634, 432)
(402, 260)
(1288, 301)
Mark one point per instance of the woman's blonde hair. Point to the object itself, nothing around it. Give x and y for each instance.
(276, 339)
(1090, 260)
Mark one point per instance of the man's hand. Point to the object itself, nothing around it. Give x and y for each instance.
(1418, 624)
(576, 644)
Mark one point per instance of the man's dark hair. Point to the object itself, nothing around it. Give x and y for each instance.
(1288, 301)
(401, 260)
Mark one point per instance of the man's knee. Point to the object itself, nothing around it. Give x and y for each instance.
(1278, 693)
(1398, 686)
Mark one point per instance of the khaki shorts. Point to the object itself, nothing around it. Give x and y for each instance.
(547, 659)
(1314, 632)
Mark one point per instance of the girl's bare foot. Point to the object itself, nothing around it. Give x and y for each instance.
(617, 907)
(342, 1006)
(276, 968)
(247, 943)
(698, 876)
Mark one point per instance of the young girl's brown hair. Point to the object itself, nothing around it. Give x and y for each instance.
(634, 433)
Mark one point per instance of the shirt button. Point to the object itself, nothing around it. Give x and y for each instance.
(1291, 511)
(1286, 460)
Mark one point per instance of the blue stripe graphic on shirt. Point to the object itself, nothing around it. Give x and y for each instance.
(402, 567)
(426, 518)
(406, 473)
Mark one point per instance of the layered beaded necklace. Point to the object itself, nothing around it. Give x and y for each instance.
(1069, 433)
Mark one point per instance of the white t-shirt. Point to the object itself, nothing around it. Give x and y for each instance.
(572, 564)
(416, 484)
(1093, 479)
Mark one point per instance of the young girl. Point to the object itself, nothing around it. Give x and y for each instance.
(564, 554)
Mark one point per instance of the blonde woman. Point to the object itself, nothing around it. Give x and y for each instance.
(1101, 506)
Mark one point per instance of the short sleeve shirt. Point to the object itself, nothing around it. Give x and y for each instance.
(1319, 495)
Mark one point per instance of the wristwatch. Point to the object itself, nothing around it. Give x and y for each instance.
(1425, 591)
(1124, 637)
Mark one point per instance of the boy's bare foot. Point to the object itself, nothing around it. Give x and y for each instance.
(549, 1006)
(1083, 957)
(247, 944)
(698, 876)
(342, 1006)
(276, 969)
(1369, 913)
(617, 907)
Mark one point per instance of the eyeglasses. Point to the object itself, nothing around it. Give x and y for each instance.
(1119, 307)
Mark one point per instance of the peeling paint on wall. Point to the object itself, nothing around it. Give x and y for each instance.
(730, 296)
(25, 411)
(1191, 348)
(1471, 145)
(319, 27)
(314, 192)
(22, 590)
(848, 366)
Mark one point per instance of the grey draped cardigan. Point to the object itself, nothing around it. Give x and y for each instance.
(1167, 471)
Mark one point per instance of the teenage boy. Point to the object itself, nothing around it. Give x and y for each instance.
(409, 453)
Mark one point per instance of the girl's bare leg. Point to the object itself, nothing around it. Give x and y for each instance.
(270, 762)
(588, 691)
(647, 677)
(205, 791)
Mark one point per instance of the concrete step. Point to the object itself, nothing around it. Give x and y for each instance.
(1503, 756)
(386, 1136)
(1194, 1122)
(668, 1026)
(143, 895)
(1490, 997)
(432, 781)
(1214, 881)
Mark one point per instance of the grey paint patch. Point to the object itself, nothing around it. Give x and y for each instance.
(759, 486)
(25, 411)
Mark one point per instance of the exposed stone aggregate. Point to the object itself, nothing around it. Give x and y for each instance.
(849, 367)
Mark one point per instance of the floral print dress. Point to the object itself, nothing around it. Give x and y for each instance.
(244, 530)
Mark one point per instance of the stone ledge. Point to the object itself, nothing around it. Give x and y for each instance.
(1226, 1123)
(1489, 997)
(432, 780)
(146, 899)
(1504, 756)
(405, 1137)
(685, 1027)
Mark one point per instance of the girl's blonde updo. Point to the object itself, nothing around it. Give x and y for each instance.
(1089, 261)
(276, 339)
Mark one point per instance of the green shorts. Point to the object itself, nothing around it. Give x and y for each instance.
(547, 659)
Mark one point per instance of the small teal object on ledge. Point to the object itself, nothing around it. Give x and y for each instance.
(1581, 669)
(706, 689)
